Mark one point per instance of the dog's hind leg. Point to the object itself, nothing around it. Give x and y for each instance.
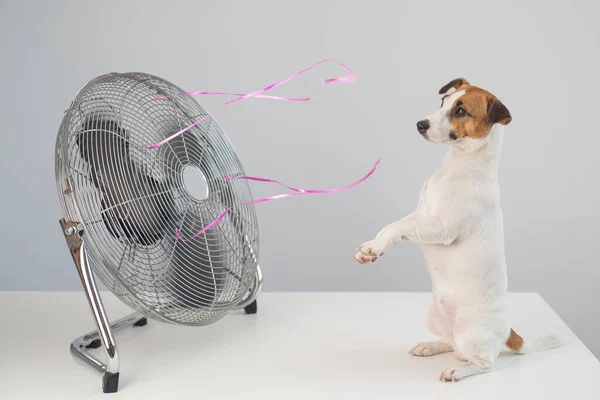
(437, 325)
(475, 365)
(480, 346)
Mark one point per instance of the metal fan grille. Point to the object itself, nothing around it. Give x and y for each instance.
(129, 200)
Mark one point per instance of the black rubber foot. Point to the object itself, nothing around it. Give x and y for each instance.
(251, 308)
(141, 322)
(110, 382)
(94, 345)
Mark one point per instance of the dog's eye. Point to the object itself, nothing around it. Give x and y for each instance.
(460, 112)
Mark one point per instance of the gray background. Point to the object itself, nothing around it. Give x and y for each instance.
(540, 59)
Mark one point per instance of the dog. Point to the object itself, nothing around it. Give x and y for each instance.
(458, 223)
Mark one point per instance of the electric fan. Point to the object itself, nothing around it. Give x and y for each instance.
(123, 203)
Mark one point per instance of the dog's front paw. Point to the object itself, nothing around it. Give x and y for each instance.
(369, 251)
(374, 248)
(362, 258)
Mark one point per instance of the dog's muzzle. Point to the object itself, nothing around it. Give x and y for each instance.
(422, 126)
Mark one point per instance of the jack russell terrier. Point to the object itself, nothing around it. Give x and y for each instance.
(458, 222)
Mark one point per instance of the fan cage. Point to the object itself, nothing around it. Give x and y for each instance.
(129, 200)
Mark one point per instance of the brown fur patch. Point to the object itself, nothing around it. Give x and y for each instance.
(482, 109)
(456, 83)
(514, 341)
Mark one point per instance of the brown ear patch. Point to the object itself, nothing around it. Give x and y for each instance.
(456, 83)
(498, 113)
(483, 111)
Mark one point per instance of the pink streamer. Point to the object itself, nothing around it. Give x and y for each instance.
(234, 94)
(351, 78)
(297, 192)
(346, 79)
(174, 135)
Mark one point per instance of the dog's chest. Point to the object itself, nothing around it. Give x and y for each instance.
(433, 193)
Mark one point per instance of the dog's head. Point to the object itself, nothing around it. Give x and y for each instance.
(467, 113)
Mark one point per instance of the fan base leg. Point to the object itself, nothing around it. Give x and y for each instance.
(94, 344)
(80, 346)
(251, 308)
(110, 382)
(249, 303)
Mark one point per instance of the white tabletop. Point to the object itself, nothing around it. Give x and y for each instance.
(298, 346)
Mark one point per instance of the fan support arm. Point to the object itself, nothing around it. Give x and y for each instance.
(103, 336)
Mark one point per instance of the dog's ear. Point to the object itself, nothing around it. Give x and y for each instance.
(498, 113)
(456, 83)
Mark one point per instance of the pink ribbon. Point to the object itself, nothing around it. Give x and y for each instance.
(345, 79)
(174, 135)
(351, 78)
(297, 192)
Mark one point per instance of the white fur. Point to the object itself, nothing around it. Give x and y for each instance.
(543, 343)
(458, 222)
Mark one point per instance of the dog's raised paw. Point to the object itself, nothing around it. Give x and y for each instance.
(373, 248)
(363, 259)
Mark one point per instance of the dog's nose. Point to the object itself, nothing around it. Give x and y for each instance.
(422, 126)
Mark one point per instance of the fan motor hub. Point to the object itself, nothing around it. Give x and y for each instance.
(195, 182)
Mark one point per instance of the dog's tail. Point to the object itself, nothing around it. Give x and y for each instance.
(518, 345)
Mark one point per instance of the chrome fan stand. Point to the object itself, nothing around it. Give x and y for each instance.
(103, 336)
